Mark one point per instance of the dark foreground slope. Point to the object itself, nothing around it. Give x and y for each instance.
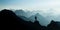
(9, 21)
(53, 25)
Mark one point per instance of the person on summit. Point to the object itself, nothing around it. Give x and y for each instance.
(35, 18)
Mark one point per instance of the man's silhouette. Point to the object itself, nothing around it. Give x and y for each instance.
(35, 18)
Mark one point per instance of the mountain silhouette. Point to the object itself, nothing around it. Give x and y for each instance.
(53, 25)
(36, 24)
(9, 20)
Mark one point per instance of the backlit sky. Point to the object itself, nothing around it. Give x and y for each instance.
(30, 4)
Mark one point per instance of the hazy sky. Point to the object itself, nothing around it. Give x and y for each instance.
(30, 4)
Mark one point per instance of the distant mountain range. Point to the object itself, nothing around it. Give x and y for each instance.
(30, 16)
(24, 15)
(20, 13)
